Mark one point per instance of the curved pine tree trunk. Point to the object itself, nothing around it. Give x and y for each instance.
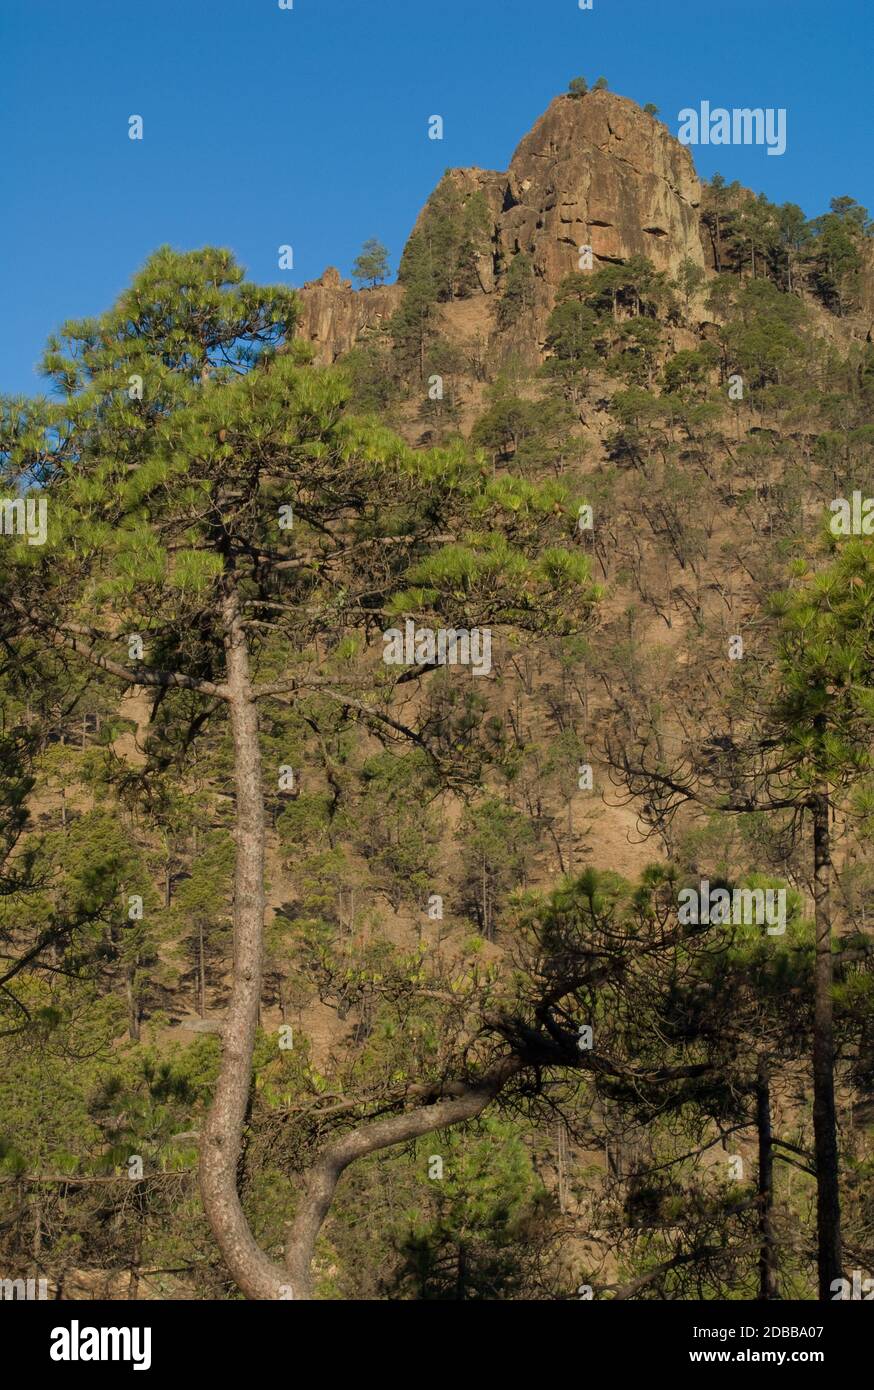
(321, 1184)
(256, 1274)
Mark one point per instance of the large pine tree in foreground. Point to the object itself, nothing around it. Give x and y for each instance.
(223, 533)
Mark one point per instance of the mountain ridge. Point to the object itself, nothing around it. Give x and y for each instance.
(594, 171)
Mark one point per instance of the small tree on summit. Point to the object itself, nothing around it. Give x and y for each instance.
(578, 86)
(600, 85)
(372, 264)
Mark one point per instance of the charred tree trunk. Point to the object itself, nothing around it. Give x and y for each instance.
(461, 1272)
(828, 1208)
(201, 970)
(133, 1003)
(133, 1285)
(767, 1252)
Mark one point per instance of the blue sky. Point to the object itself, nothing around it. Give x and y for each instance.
(309, 127)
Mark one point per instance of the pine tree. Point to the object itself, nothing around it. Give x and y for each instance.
(214, 510)
(371, 266)
(809, 755)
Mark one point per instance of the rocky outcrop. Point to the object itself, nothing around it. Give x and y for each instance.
(334, 316)
(594, 171)
(598, 171)
(492, 185)
(866, 296)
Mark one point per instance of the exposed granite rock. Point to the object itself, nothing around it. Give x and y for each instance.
(334, 315)
(598, 171)
(594, 171)
(866, 286)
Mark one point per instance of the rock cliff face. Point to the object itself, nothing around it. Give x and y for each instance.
(867, 295)
(597, 171)
(594, 171)
(334, 316)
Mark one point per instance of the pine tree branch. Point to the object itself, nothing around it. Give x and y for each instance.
(69, 636)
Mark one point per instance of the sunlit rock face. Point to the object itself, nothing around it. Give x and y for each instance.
(595, 171)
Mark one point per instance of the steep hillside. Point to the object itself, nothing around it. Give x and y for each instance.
(615, 466)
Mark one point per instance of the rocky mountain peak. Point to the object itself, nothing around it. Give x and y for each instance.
(594, 171)
(598, 171)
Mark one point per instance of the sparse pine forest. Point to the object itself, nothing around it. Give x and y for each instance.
(325, 975)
